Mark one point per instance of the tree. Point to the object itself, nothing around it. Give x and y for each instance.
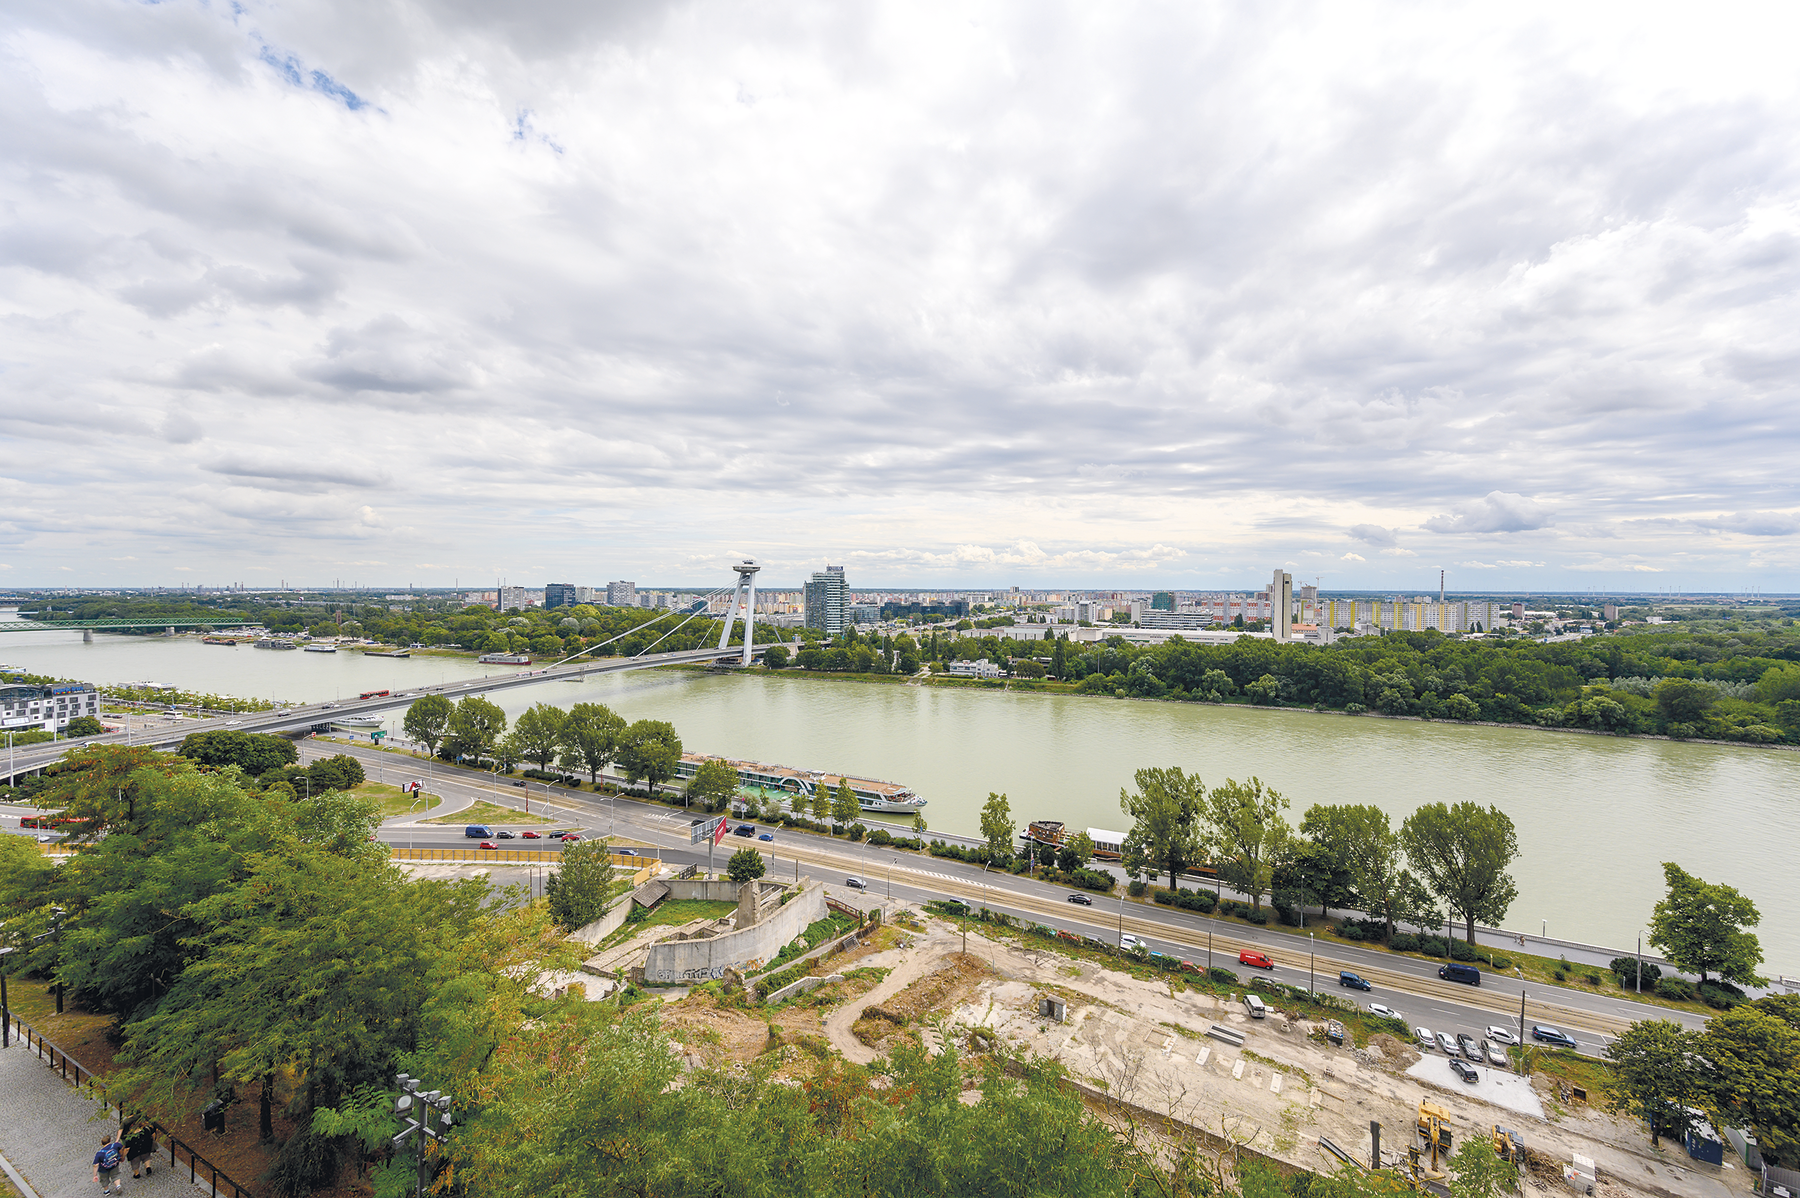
(713, 785)
(1476, 1171)
(538, 733)
(775, 657)
(1754, 1053)
(428, 721)
(1656, 1075)
(649, 749)
(342, 823)
(745, 865)
(821, 801)
(1165, 814)
(583, 885)
(1359, 834)
(844, 807)
(256, 753)
(1684, 700)
(1075, 852)
(476, 726)
(84, 725)
(1250, 832)
(1700, 926)
(508, 752)
(1462, 853)
(590, 738)
(997, 827)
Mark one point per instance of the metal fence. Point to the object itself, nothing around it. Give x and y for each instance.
(80, 1076)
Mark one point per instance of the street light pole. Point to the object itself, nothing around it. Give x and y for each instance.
(5, 1011)
(1311, 946)
(1521, 972)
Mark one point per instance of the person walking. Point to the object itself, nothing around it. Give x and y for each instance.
(140, 1149)
(106, 1164)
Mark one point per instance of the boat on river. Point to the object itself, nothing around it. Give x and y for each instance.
(874, 796)
(505, 659)
(1108, 844)
(387, 652)
(357, 723)
(272, 643)
(321, 649)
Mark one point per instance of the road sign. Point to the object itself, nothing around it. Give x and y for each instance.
(703, 829)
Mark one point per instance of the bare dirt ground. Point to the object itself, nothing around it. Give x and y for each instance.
(1144, 1041)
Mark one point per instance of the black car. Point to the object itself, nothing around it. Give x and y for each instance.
(744, 830)
(1469, 1047)
(503, 834)
(1550, 1035)
(1464, 1070)
(1086, 900)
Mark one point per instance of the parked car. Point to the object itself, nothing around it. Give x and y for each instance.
(1446, 1043)
(856, 883)
(1496, 1055)
(1550, 1035)
(487, 844)
(1354, 981)
(1256, 959)
(767, 836)
(1500, 1035)
(1426, 1040)
(1465, 1070)
(1254, 1006)
(1386, 1012)
(1086, 900)
(1469, 1048)
(530, 836)
(1127, 942)
(744, 830)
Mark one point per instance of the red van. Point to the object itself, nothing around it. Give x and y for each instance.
(1259, 960)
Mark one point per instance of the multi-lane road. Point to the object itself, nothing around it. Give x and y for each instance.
(1406, 984)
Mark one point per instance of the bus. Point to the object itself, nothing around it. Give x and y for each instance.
(376, 694)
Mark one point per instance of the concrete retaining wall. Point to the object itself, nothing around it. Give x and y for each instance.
(672, 963)
(802, 986)
(606, 925)
(691, 889)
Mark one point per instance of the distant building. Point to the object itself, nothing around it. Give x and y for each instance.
(47, 707)
(584, 594)
(828, 601)
(981, 667)
(559, 594)
(511, 597)
(621, 594)
(1610, 612)
(954, 609)
(1162, 601)
(864, 613)
(1281, 605)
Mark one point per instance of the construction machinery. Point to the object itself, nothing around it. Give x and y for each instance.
(1508, 1145)
(1433, 1148)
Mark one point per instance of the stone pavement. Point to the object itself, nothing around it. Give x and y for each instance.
(49, 1132)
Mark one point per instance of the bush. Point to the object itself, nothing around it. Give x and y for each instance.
(1626, 970)
(1559, 975)
(1234, 908)
(1136, 888)
(1462, 951)
(1351, 931)
(1259, 918)
(1431, 946)
(1188, 900)
(1092, 879)
(1404, 942)
(857, 832)
(1675, 990)
(1721, 997)
(1592, 979)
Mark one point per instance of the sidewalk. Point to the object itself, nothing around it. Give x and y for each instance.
(49, 1133)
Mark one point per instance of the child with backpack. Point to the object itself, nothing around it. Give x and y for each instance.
(106, 1164)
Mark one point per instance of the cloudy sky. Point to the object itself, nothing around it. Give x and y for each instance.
(964, 294)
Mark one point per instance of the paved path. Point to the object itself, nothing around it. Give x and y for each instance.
(49, 1133)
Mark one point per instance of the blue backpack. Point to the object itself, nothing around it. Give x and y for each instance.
(109, 1156)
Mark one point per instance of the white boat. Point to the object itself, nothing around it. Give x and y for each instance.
(321, 649)
(505, 659)
(357, 723)
(875, 797)
(275, 644)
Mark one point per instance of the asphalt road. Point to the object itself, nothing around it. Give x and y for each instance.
(1406, 984)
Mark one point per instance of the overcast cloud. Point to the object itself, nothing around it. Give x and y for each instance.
(1154, 294)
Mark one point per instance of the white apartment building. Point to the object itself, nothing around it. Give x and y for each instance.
(50, 708)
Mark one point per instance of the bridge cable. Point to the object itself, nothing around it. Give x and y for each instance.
(637, 628)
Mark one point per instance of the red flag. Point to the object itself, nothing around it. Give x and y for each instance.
(719, 832)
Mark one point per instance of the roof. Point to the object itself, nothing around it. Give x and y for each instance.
(650, 893)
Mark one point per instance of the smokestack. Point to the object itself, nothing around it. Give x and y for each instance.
(1440, 588)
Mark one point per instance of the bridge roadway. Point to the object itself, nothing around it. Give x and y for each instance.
(110, 625)
(318, 716)
(1408, 984)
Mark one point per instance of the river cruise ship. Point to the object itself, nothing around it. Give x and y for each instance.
(1108, 844)
(505, 659)
(872, 795)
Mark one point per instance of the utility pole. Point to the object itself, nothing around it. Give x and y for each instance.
(419, 1130)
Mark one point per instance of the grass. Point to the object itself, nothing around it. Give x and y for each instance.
(670, 911)
(1571, 1068)
(392, 801)
(490, 813)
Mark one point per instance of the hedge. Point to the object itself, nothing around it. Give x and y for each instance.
(1188, 900)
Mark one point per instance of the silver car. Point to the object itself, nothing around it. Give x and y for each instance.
(1496, 1056)
(1447, 1043)
(1426, 1040)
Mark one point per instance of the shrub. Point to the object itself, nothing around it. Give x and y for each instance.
(1721, 998)
(1137, 888)
(1223, 976)
(1351, 931)
(1675, 990)
(857, 832)
(1592, 979)
(1560, 976)
(1431, 946)
(1259, 918)
(1626, 970)
(1092, 879)
(1404, 942)
(1462, 951)
(880, 836)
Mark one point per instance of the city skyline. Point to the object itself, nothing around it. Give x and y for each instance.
(1151, 299)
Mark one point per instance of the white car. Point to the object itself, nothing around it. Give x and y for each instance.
(1448, 1044)
(1500, 1035)
(1425, 1038)
(1385, 1012)
(1127, 942)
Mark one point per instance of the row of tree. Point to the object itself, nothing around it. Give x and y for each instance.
(586, 738)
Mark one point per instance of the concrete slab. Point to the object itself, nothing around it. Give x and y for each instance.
(1502, 1089)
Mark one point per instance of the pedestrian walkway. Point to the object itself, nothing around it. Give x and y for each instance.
(49, 1132)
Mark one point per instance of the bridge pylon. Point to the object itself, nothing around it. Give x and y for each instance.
(745, 594)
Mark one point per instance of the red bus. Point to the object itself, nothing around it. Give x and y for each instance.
(48, 821)
(376, 694)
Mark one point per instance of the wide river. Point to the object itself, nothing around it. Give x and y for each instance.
(1596, 816)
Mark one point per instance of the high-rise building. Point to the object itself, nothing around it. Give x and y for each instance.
(511, 597)
(621, 594)
(559, 594)
(1162, 601)
(1281, 605)
(827, 600)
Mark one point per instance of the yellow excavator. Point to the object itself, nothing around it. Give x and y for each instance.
(1432, 1151)
(1508, 1145)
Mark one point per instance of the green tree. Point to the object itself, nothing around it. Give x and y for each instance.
(1462, 853)
(583, 885)
(1754, 1053)
(508, 752)
(1476, 1171)
(844, 807)
(342, 823)
(1656, 1075)
(1251, 833)
(1700, 926)
(590, 738)
(775, 657)
(84, 725)
(476, 726)
(821, 801)
(1165, 812)
(1265, 691)
(997, 827)
(1360, 836)
(745, 865)
(649, 750)
(1075, 852)
(713, 785)
(428, 721)
(1684, 700)
(539, 733)
(255, 753)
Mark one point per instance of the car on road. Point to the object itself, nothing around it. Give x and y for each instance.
(744, 830)
(1496, 1055)
(1550, 1035)
(503, 834)
(1354, 981)
(1253, 958)
(1500, 1035)
(518, 781)
(1426, 1040)
(856, 883)
(1465, 1070)
(571, 837)
(531, 836)
(487, 844)
(1446, 1043)
(1127, 942)
(1086, 900)
(1470, 1049)
(1386, 1012)
(770, 836)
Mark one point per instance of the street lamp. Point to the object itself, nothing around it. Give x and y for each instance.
(1311, 946)
(5, 1011)
(1521, 972)
(419, 1130)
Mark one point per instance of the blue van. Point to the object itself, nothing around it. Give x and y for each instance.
(1456, 972)
(478, 832)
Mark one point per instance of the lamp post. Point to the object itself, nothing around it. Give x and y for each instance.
(1311, 946)
(418, 1130)
(1521, 972)
(1122, 918)
(5, 1011)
